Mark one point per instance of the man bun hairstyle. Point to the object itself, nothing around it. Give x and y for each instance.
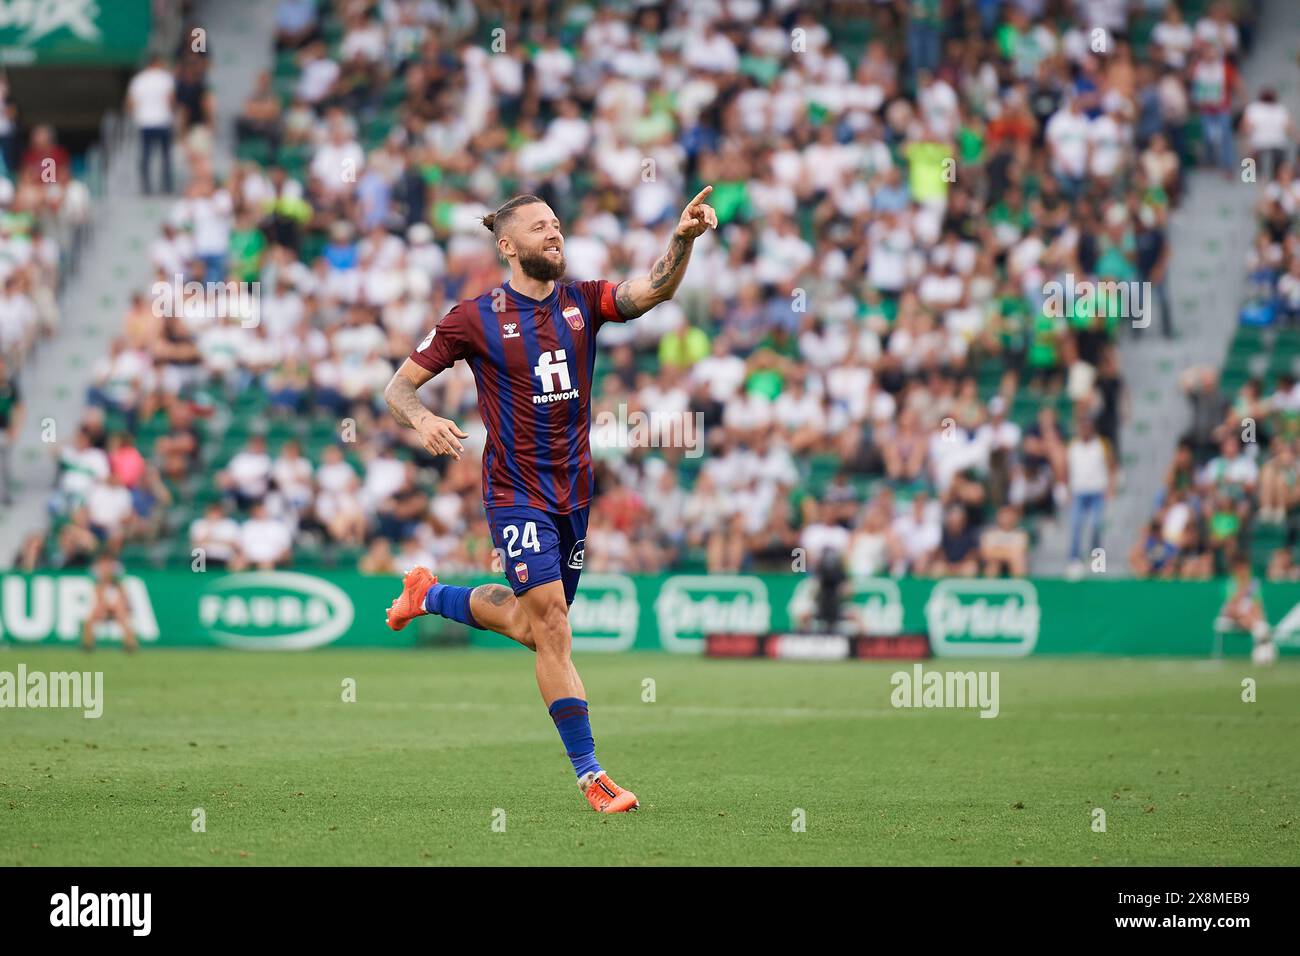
(496, 221)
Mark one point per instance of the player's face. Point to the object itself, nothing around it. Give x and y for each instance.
(538, 242)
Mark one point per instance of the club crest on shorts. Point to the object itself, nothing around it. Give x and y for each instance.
(573, 315)
(521, 572)
(577, 554)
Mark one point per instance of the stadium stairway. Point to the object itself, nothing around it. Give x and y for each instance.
(114, 266)
(1207, 282)
(239, 37)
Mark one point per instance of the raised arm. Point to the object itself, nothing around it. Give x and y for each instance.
(637, 296)
(438, 435)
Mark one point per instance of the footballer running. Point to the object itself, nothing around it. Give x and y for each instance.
(532, 348)
(1243, 609)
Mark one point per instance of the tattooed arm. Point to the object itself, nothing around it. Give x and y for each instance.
(438, 435)
(637, 296)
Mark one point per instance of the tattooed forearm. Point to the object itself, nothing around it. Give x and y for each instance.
(626, 302)
(403, 402)
(667, 272)
(635, 297)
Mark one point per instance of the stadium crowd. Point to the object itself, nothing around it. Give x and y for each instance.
(42, 208)
(866, 339)
(1231, 489)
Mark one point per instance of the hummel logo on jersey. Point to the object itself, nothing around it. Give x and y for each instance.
(510, 330)
(553, 370)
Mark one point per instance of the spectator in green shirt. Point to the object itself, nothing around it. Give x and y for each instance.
(1043, 360)
(247, 243)
(683, 347)
(929, 170)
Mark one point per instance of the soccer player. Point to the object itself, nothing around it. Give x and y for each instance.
(1243, 609)
(109, 604)
(532, 347)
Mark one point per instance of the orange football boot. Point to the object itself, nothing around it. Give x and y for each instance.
(410, 603)
(605, 796)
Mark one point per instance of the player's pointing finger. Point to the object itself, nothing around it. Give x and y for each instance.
(701, 196)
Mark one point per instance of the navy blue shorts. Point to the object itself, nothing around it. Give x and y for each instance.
(538, 547)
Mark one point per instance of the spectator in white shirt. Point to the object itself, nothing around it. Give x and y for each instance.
(1269, 131)
(209, 212)
(1090, 471)
(1173, 38)
(110, 507)
(151, 98)
(264, 541)
(81, 467)
(820, 539)
(218, 535)
(338, 162)
(338, 499)
(119, 378)
(248, 475)
(1218, 30)
(319, 74)
(916, 536)
(292, 474)
(1067, 136)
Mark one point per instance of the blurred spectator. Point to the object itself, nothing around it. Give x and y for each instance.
(151, 99)
(1270, 132)
(264, 541)
(218, 535)
(378, 558)
(1090, 474)
(111, 511)
(1215, 83)
(11, 423)
(44, 157)
(260, 117)
(959, 546)
(247, 477)
(1004, 547)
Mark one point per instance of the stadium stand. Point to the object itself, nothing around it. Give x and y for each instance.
(865, 339)
(44, 204)
(1230, 489)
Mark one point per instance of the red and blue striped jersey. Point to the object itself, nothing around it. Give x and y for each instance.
(532, 362)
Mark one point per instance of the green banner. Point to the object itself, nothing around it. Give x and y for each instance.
(65, 32)
(961, 617)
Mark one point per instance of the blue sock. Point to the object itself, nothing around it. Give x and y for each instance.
(570, 716)
(452, 602)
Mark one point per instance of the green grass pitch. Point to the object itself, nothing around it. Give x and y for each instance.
(416, 771)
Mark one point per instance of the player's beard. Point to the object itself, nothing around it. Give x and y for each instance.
(537, 265)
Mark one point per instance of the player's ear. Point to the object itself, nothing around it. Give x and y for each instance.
(505, 247)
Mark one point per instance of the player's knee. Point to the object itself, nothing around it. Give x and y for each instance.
(520, 628)
(549, 627)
